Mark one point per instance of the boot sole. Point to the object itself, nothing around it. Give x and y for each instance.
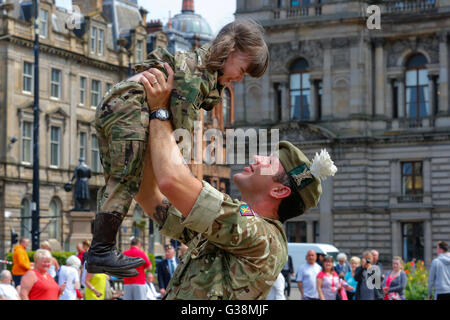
(116, 273)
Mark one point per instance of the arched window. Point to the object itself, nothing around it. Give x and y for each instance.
(25, 221)
(226, 107)
(299, 86)
(417, 93)
(55, 216)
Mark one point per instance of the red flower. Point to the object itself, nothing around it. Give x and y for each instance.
(407, 271)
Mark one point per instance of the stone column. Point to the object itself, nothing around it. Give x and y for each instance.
(313, 99)
(379, 78)
(444, 106)
(325, 207)
(285, 101)
(401, 97)
(431, 101)
(327, 99)
(396, 238)
(309, 231)
(389, 94)
(428, 242)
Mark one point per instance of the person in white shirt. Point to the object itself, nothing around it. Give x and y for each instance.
(307, 276)
(70, 274)
(152, 294)
(7, 291)
(277, 290)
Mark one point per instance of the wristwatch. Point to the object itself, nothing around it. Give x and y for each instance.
(160, 114)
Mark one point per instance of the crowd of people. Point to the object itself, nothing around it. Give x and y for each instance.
(45, 279)
(319, 278)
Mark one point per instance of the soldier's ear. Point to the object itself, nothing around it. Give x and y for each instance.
(280, 192)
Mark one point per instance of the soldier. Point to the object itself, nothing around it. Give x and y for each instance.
(236, 249)
(122, 120)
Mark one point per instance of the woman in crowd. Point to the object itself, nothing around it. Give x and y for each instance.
(328, 283)
(70, 274)
(355, 262)
(395, 283)
(37, 283)
(95, 286)
(342, 267)
(54, 267)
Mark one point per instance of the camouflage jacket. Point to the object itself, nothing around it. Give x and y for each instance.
(194, 88)
(232, 254)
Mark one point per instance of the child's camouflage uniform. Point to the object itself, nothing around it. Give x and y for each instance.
(122, 120)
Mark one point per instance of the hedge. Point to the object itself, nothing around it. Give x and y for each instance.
(61, 257)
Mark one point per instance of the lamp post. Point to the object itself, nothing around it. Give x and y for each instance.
(35, 231)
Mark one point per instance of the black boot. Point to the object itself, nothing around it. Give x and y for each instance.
(103, 256)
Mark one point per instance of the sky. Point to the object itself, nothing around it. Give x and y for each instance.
(217, 12)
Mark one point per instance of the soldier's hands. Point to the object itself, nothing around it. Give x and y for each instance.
(157, 88)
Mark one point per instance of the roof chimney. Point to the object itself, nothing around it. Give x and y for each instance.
(188, 6)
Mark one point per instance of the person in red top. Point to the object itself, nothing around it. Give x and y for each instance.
(134, 288)
(37, 283)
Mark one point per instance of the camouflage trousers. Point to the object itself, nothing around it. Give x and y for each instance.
(121, 122)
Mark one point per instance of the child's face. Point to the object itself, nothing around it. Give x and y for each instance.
(235, 68)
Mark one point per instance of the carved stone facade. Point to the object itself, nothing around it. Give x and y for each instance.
(359, 110)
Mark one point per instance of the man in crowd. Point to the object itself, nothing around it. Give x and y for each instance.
(439, 277)
(166, 268)
(152, 294)
(134, 288)
(376, 261)
(287, 271)
(7, 291)
(21, 262)
(237, 249)
(369, 281)
(307, 277)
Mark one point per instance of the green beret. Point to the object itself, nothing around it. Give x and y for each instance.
(297, 166)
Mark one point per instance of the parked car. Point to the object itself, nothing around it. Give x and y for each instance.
(298, 251)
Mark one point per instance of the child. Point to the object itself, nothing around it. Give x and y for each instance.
(122, 120)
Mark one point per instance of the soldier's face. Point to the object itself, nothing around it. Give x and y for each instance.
(258, 176)
(235, 68)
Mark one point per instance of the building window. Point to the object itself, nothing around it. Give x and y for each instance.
(101, 41)
(226, 107)
(96, 89)
(412, 181)
(83, 83)
(413, 241)
(43, 26)
(53, 225)
(108, 87)
(139, 51)
(55, 146)
(56, 84)
(299, 90)
(300, 3)
(25, 219)
(395, 90)
(296, 231)
(319, 99)
(95, 155)
(28, 77)
(417, 95)
(437, 95)
(207, 116)
(316, 227)
(83, 145)
(93, 40)
(27, 142)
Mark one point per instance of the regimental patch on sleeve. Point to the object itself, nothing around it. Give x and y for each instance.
(245, 210)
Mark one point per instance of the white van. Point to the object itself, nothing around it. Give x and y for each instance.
(298, 251)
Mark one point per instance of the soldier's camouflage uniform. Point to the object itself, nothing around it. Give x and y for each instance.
(230, 255)
(122, 119)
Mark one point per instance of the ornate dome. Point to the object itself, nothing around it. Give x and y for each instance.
(192, 24)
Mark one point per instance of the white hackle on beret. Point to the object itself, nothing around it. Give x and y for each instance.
(322, 166)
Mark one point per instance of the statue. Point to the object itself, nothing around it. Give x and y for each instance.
(82, 174)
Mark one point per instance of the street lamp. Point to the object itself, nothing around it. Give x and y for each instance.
(35, 232)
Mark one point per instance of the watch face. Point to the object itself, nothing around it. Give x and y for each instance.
(163, 114)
